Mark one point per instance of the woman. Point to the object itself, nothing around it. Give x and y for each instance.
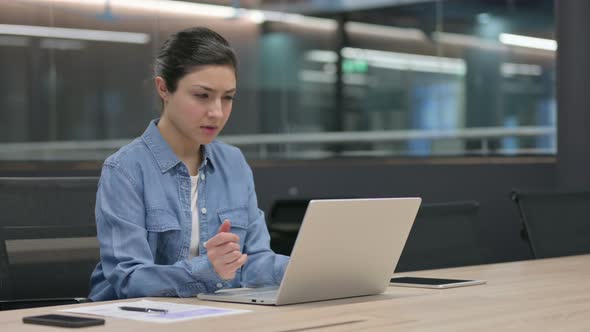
(176, 210)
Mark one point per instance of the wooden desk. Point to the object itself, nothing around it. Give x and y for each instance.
(541, 295)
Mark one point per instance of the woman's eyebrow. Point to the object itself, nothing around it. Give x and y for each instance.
(211, 89)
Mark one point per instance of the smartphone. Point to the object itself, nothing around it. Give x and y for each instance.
(63, 320)
(437, 283)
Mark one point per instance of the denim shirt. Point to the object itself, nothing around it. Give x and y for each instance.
(144, 220)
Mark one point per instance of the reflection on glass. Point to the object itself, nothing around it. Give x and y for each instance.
(450, 78)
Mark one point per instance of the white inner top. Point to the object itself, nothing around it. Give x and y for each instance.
(194, 247)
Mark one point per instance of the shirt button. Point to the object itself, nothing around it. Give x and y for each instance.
(219, 285)
(202, 176)
(203, 210)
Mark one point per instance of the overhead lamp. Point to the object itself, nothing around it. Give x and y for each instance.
(510, 69)
(385, 31)
(199, 9)
(305, 21)
(159, 6)
(321, 56)
(407, 61)
(78, 34)
(530, 42)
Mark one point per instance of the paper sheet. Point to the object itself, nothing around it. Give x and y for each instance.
(176, 312)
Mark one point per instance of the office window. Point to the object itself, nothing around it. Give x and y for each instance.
(317, 79)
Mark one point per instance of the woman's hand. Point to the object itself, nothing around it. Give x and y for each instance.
(223, 251)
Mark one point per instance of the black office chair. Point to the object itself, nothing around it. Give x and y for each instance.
(284, 220)
(48, 244)
(443, 235)
(555, 223)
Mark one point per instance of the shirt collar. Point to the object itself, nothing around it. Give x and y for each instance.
(165, 157)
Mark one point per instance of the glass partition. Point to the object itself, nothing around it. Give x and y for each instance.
(317, 79)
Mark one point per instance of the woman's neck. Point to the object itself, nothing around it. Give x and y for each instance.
(186, 150)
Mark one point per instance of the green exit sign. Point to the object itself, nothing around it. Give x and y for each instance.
(354, 66)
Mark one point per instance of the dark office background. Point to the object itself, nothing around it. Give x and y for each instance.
(100, 94)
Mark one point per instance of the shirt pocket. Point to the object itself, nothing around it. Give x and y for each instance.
(238, 218)
(164, 236)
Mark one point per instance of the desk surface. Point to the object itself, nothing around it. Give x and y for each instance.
(541, 295)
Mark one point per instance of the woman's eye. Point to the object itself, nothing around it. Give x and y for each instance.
(202, 95)
(229, 98)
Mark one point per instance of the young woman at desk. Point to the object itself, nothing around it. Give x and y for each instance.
(176, 210)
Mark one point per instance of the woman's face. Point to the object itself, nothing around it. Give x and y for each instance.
(202, 103)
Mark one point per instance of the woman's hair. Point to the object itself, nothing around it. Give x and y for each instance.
(190, 48)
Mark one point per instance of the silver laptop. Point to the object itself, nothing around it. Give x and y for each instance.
(345, 248)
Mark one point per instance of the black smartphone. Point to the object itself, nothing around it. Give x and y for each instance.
(63, 320)
(433, 282)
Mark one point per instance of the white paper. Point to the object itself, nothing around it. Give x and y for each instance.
(176, 312)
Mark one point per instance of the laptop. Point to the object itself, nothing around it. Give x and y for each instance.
(344, 248)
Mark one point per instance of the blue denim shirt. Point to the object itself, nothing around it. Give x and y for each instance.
(144, 220)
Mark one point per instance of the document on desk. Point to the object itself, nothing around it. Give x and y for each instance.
(157, 312)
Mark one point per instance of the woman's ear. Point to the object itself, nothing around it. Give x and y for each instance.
(161, 88)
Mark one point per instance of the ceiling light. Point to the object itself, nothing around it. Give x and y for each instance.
(78, 34)
(530, 42)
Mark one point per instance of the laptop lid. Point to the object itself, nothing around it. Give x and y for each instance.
(347, 248)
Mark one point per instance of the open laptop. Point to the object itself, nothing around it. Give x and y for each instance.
(345, 248)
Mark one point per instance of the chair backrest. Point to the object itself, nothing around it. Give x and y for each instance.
(443, 235)
(284, 220)
(288, 213)
(48, 244)
(556, 223)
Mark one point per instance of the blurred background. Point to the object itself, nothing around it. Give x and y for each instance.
(317, 79)
(449, 100)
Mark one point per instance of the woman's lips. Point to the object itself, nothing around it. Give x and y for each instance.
(209, 130)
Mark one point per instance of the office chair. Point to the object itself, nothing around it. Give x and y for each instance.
(48, 244)
(284, 220)
(555, 223)
(443, 235)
